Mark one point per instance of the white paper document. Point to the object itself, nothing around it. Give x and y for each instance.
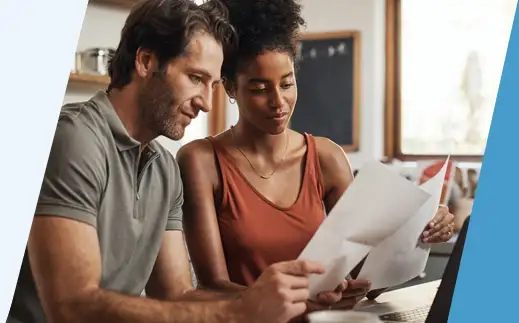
(374, 207)
(402, 256)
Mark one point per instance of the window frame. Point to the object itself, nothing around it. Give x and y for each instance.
(217, 119)
(392, 100)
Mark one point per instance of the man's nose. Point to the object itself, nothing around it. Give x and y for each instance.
(204, 101)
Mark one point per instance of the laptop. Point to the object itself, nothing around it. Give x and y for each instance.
(438, 311)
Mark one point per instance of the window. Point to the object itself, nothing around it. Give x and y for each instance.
(444, 63)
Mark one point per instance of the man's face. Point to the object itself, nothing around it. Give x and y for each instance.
(170, 100)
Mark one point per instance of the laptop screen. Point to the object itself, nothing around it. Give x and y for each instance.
(440, 308)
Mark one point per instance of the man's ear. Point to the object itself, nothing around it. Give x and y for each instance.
(145, 63)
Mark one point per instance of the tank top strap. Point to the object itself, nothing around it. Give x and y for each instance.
(221, 162)
(226, 169)
(216, 149)
(213, 143)
(313, 164)
(223, 158)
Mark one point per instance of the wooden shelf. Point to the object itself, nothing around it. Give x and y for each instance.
(88, 80)
(126, 4)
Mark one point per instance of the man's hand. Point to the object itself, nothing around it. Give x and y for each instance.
(441, 228)
(345, 296)
(280, 293)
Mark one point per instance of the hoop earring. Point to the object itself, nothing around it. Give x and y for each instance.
(232, 100)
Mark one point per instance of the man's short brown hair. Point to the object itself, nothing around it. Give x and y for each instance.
(165, 27)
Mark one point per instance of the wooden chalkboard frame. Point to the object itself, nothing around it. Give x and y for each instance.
(355, 34)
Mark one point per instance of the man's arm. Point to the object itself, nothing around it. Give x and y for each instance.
(65, 259)
(171, 277)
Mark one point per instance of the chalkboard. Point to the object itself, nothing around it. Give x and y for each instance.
(327, 71)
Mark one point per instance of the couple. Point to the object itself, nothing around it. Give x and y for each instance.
(112, 208)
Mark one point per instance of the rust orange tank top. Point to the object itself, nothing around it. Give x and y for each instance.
(255, 233)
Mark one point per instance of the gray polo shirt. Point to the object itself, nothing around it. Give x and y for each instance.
(93, 176)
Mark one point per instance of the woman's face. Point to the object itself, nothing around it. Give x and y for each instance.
(266, 91)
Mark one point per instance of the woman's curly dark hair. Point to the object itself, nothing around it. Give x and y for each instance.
(261, 25)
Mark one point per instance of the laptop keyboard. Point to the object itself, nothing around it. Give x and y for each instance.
(416, 314)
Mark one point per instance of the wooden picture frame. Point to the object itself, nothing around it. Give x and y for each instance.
(356, 99)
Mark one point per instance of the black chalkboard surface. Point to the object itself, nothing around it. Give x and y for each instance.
(328, 87)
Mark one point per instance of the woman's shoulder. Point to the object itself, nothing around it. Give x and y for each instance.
(327, 148)
(200, 153)
(198, 148)
(332, 157)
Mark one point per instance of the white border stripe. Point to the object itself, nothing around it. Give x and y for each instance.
(39, 39)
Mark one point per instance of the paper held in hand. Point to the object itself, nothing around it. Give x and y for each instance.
(378, 212)
(377, 204)
(402, 256)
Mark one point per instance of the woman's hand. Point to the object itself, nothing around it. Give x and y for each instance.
(441, 228)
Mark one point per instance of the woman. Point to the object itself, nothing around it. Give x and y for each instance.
(256, 194)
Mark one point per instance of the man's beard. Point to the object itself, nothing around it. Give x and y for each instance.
(156, 101)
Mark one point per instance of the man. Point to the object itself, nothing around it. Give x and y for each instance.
(108, 223)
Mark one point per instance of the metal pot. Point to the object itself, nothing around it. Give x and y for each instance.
(95, 60)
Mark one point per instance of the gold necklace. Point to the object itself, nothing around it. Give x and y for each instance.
(252, 166)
